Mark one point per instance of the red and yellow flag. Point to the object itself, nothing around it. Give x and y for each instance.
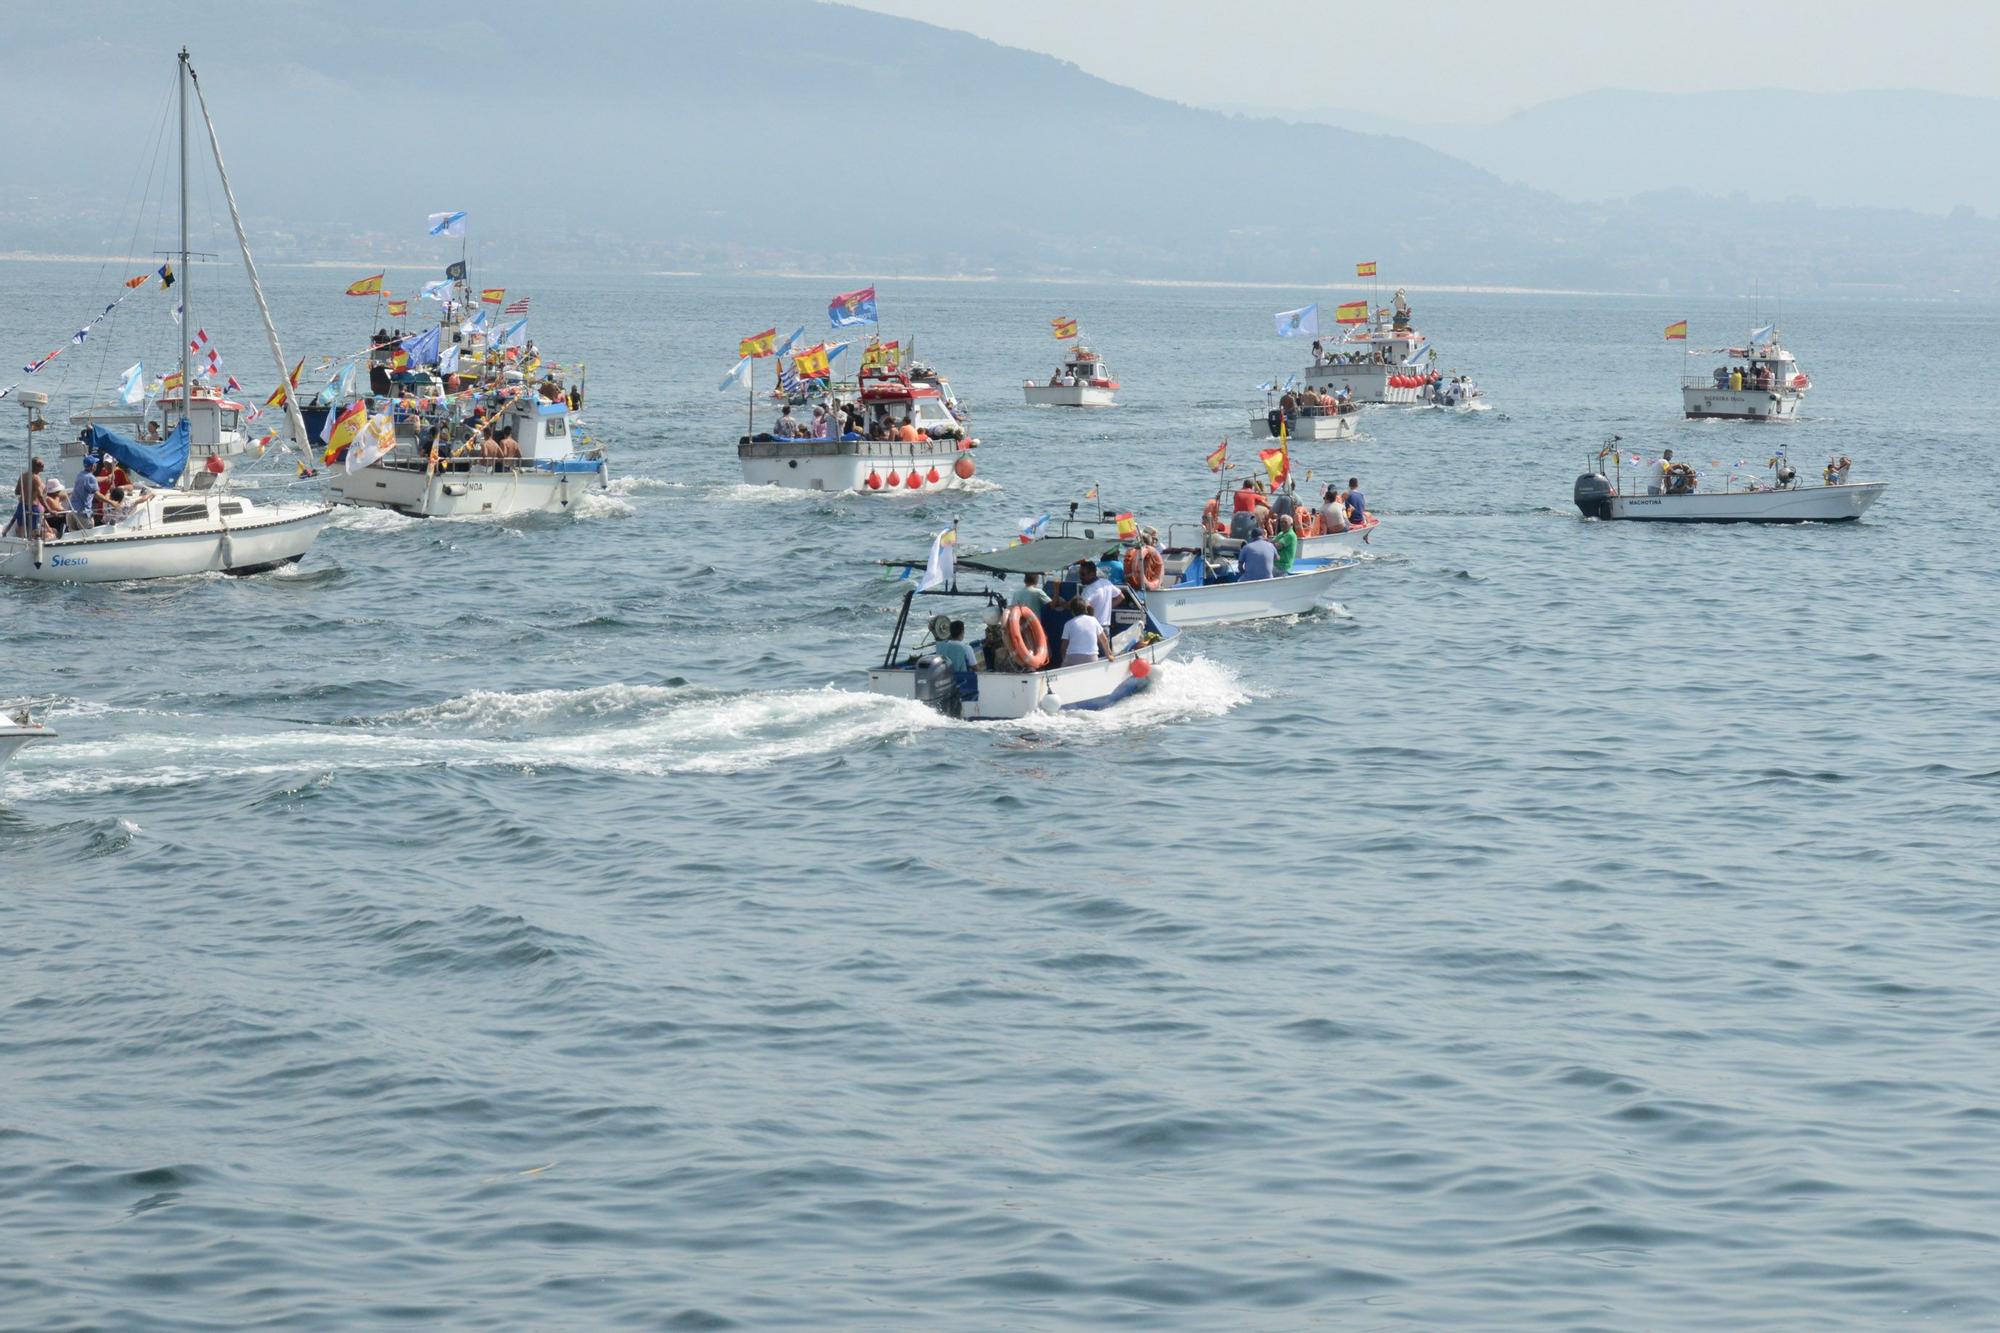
(1128, 526)
(811, 364)
(1065, 328)
(1365, 270)
(139, 281)
(1277, 462)
(759, 344)
(1677, 331)
(170, 381)
(367, 287)
(493, 296)
(1351, 312)
(279, 394)
(1219, 458)
(398, 309)
(399, 360)
(343, 430)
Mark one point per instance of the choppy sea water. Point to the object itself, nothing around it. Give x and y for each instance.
(531, 924)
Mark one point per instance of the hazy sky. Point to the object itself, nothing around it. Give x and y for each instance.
(1482, 59)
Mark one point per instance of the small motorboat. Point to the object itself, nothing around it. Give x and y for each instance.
(1309, 423)
(1016, 677)
(1680, 497)
(20, 730)
(1082, 380)
(1203, 588)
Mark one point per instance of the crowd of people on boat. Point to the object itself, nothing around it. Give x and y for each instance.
(854, 421)
(1332, 356)
(1736, 379)
(1296, 403)
(44, 508)
(1256, 509)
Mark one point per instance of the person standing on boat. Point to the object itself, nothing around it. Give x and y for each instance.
(1661, 466)
(1030, 594)
(1286, 544)
(83, 501)
(1097, 593)
(1083, 638)
(787, 427)
(1357, 507)
(1333, 511)
(30, 503)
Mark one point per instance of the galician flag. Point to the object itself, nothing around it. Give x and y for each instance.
(448, 224)
(1300, 323)
(132, 387)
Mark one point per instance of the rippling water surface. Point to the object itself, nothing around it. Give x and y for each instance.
(530, 923)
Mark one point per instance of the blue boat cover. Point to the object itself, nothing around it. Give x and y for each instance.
(569, 465)
(161, 464)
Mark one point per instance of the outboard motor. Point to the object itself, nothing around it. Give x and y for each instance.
(1787, 474)
(1243, 526)
(937, 686)
(1274, 419)
(1593, 495)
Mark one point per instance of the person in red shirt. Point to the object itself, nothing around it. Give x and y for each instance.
(1246, 500)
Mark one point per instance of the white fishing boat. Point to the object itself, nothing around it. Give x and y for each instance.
(1381, 360)
(908, 441)
(20, 730)
(209, 527)
(1083, 380)
(1225, 535)
(1352, 540)
(1682, 498)
(1308, 422)
(551, 474)
(1759, 381)
(1204, 589)
(1016, 678)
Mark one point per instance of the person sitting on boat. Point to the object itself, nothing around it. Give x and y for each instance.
(1083, 638)
(1257, 560)
(1357, 511)
(1283, 505)
(1286, 543)
(152, 435)
(124, 504)
(957, 651)
(1246, 498)
(1333, 512)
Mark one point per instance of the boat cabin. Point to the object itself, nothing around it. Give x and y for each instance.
(215, 423)
(1082, 367)
(541, 428)
(891, 396)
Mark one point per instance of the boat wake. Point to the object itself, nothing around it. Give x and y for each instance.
(1184, 689)
(644, 730)
(643, 486)
(355, 518)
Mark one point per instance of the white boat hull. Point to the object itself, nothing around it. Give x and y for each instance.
(1338, 426)
(1803, 504)
(847, 465)
(1367, 383)
(1069, 395)
(1350, 542)
(1259, 599)
(279, 536)
(14, 736)
(450, 494)
(1009, 695)
(1740, 404)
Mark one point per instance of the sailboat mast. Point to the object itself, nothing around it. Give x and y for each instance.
(187, 275)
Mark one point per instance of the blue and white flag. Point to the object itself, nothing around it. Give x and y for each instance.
(1031, 528)
(835, 349)
(941, 570)
(1300, 323)
(448, 224)
(513, 335)
(448, 360)
(736, 375)
(435, 291)
(176, 312)
(132, 388)
(785, 347)
(476, 323)
(1419, 352)
(1759, 335)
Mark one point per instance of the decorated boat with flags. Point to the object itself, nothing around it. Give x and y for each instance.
(1676, 492)
(980, 656)
(196, 521)
(1380, 359)
(896, 435)
(18, 730)
(1758, 381)
(1081, 380)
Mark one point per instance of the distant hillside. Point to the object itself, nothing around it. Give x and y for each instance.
(622, 133)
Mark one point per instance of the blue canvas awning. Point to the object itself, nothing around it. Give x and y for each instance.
(161, 464)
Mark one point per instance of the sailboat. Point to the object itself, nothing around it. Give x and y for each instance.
(198, 526)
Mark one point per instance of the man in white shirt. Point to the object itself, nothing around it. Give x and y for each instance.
(1099, 593)
(1084, 639)
(1658, 485)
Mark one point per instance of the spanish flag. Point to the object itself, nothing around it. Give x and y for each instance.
(1065, 328)
(1219, 458)
(279, 394)
(1277, 462)
(398, 309)
(1128, 527)
(367, 287)
(493, 296)
(1677, 332)
(1351, 312)
(1366, 270)
(172, 381)
(811, 364)
(343, 430)
(758, 344)
(399, 360)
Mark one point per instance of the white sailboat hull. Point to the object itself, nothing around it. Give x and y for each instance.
(1804, 504)
(1069, 395)
(1004, 696)
(1338, 426)
(1259, 599)
(451, 494)
(278, 535)
(847, 465)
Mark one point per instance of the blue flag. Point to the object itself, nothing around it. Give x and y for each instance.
(423, 348)
(448, 224)
(851, 308)
(1303, 322)
(785, 347)
(735, 376)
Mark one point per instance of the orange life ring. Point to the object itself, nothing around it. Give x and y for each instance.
(1023, 625)
(1144, 568)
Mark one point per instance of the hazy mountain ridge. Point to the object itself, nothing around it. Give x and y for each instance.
(812, 136)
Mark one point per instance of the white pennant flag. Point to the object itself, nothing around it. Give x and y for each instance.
(942, 568)
(377, 439)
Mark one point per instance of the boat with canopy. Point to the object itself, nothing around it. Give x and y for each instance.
(1676, 492)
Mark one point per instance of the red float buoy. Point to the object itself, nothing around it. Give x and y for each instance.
(874, 480)
(933, 478)
(914, 481)
(1141, 668)
(963, 467)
